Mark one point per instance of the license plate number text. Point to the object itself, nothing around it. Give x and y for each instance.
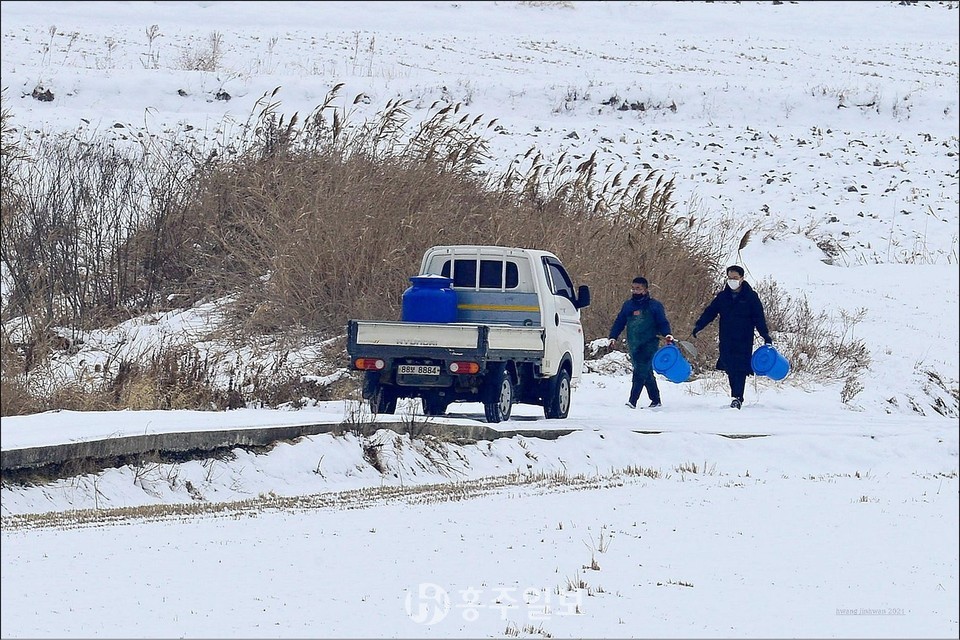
(418, 370)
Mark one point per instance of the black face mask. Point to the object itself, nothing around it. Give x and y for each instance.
(639, 296)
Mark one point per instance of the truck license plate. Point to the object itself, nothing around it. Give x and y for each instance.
(418, 370)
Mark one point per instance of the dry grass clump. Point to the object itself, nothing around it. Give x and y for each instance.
(16, 398)
(166, 379)
(170, 378)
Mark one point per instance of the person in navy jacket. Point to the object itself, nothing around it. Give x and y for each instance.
(643, 317)
(740, 311)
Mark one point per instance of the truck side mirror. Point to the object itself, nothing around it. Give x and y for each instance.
(583, 297)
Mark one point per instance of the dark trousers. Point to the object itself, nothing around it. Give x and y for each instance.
(643, 376)
(738, 380)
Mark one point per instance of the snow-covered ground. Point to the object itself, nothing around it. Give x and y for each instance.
(829, 128)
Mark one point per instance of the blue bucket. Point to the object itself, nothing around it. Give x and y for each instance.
(669, 362)
(767, 361)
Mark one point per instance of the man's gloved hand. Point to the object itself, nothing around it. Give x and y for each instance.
(611, 342)
(768, 341)
(669, 339)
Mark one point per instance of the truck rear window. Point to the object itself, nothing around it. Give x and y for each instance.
(491, 273)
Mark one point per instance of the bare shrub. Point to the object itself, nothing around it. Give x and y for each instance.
(11, 150)
(204, 58)
(816, 343)
(91, 230)
(81, 244)
(851, 387)
(12, 158)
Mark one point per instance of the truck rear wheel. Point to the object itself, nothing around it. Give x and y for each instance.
(498, 400)
(434, 405)
(557, 402)
(383, 400)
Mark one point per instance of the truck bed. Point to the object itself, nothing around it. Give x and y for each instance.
(483, 339)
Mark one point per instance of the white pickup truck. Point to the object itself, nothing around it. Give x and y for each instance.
(514, 337)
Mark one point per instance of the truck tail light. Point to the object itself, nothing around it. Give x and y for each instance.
(464, 367)
(369, 364)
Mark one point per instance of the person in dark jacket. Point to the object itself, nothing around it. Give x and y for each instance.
(643, 318)
(740, 311)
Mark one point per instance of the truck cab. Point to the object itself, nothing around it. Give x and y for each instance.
(522, 287)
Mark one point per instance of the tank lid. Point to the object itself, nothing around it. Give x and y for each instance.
(432, 280)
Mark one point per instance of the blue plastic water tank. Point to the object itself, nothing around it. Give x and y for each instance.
(429, 299)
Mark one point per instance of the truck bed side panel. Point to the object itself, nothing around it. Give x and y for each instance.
(454, 336)
(516, 339)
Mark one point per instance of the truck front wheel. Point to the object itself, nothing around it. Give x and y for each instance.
(498, 400)
(557, 402)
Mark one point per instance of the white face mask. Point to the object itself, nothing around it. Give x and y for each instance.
(733, 284)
